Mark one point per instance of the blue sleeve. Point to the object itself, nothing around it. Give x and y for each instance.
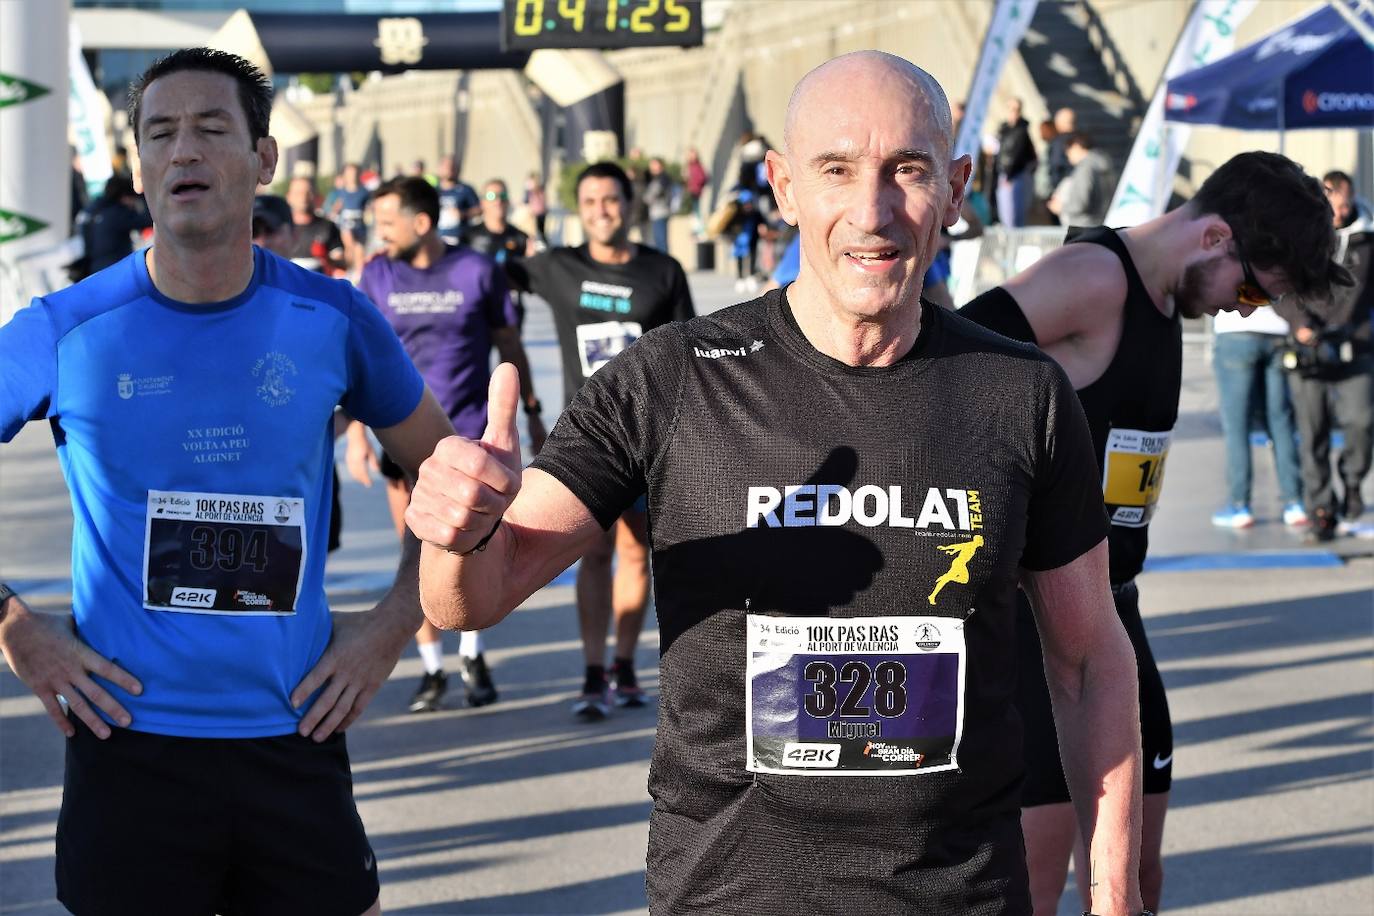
(789, 265)
(28, 368)
(383, 385)
(467, 197)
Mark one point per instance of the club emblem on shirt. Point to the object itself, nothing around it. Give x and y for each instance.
(274, 372)
(126, 385)
(962, 553)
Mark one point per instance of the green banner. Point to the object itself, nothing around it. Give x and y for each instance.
(16, 91)
(17, 225)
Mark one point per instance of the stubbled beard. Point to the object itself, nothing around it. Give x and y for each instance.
(1187, 298)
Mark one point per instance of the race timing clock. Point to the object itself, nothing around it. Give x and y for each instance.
(527, 25)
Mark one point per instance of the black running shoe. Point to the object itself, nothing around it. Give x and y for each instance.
(477, 680)
(595, 702)
(1354, 505)
(1323, 528)
(429, 697)
(625, 686)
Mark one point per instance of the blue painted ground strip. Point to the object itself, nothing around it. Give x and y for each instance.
(1205, 562)
(1195, 562)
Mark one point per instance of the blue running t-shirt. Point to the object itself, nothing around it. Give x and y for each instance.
(197, 443)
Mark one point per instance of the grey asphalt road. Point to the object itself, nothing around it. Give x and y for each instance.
(515, 808)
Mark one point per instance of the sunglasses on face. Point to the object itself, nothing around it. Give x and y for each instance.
(496, 195)
(1250, 292)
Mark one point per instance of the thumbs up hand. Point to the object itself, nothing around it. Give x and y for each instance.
(465, 487)
(502, 439)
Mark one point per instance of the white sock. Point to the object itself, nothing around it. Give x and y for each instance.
(432, 653)
(470, 644)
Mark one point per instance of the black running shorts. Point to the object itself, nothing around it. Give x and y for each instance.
(390, 469)
(1045, 784)
(153, 824)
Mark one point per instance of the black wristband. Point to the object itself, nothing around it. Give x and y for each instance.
(533, 407)
(6, 593)
(482, 544)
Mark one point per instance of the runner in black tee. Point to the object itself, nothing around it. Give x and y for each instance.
(495, 237)
(599, 308)
(1107, 306)
(846, 486)
(318, 240)
(719, 418)
(604, 295)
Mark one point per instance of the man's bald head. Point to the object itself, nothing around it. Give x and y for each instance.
(862, 71)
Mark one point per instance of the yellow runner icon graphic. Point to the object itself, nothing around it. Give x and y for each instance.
(958, 568)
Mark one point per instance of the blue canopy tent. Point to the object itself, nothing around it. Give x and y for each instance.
(1317, 72)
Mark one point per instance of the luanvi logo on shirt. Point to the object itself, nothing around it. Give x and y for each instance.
(826, 505)
(718, 352)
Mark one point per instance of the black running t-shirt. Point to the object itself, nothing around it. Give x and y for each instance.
(600, 309)
(783, 482)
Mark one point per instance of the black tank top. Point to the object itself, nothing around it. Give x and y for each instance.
(1136, 396)
(1131, 408)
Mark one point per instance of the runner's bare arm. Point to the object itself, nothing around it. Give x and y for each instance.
(1074, 300)
(359, 456)
(468, 490)
(364, 647)
(44, 653)
(1090, 668)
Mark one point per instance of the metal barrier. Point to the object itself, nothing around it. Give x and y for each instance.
(977, 265)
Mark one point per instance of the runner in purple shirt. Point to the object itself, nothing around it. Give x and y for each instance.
(449, 306)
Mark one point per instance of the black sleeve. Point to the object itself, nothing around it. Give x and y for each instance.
(997, 311)
(1066, 517)
(621, 420)
(683, 309)
(523, 273)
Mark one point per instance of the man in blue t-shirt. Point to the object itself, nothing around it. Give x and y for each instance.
(347, 210)
(191, 391)
(458, 203)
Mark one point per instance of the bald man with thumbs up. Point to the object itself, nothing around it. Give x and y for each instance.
(813, 462)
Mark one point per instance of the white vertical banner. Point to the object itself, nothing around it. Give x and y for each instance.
(35, 170)
(1010, 19)
(87, 110)
(1147, 180)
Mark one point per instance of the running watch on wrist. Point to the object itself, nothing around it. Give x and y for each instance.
(533, 407)
(6, 593)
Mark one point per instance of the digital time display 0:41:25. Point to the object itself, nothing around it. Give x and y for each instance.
(527, 25)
